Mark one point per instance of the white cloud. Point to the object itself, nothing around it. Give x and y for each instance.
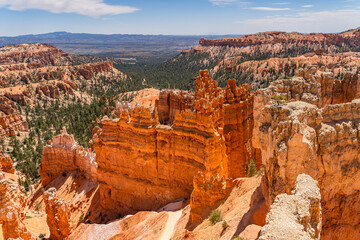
(269, 9)
(92, 8)
(280, 3)
(222, 2)
(307, 6)
(306, 22)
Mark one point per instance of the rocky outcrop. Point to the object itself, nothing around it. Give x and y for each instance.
(300, 137)
(58, 215)
(12, 207)
(349, 39)
(6, 164)
(295, 216)
(48, 90)
(208, 194)
(135, 152)
(63, 155)
(66, 88)
(10, 124)
(172, 102)
(7, 106)
(238, 126)
(261, 73)
(31, 56)
(87, 71)
(20, 98)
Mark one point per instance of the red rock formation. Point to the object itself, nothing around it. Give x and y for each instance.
(89, 70)
(12, 123)
(172, 102)
(63, 155)
(12, 206)
(20, 98)
(6, 164)
(238, 125)
(350, 38)
(58, 215)
(71, 84)
(316, 87)
(208, 194)
(263, 72)
(7, 106)
(135, 152)
(299, 137)
(67, 89)
(48, 90)
(33, 55)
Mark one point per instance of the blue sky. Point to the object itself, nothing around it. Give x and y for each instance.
(19, 17)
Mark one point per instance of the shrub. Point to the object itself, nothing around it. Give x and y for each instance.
(215, 216)
(81, 218)
(278, 98)
(37, 206)
(42, 235)
(225, 225)
(250, 168)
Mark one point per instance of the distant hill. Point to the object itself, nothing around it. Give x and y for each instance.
(83, 43)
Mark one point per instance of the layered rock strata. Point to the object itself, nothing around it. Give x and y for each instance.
(63, 154)
(299, 137)
(10, 124)
(295, 216)
(238, 126)
(349, 38)
(12, 208)
(172, 102)
(58, 215)
(17, 57)
(135, 152)
(208, 194)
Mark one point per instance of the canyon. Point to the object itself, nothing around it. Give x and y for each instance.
(281, 162)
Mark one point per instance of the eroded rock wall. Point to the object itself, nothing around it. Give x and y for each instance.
(58, 215)
(10, 124)
(62, 155)
(172, 102)
(299, 137)
(12, 211)
(144, 165)
(238, 128)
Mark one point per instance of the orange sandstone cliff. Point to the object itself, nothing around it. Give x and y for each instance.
(12, 207)
(136, 152)
(62, 155)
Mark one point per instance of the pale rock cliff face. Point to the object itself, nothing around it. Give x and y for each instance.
(63, 155)
(299, 137)
(313, 85)
(295, 216)
(12, 208)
